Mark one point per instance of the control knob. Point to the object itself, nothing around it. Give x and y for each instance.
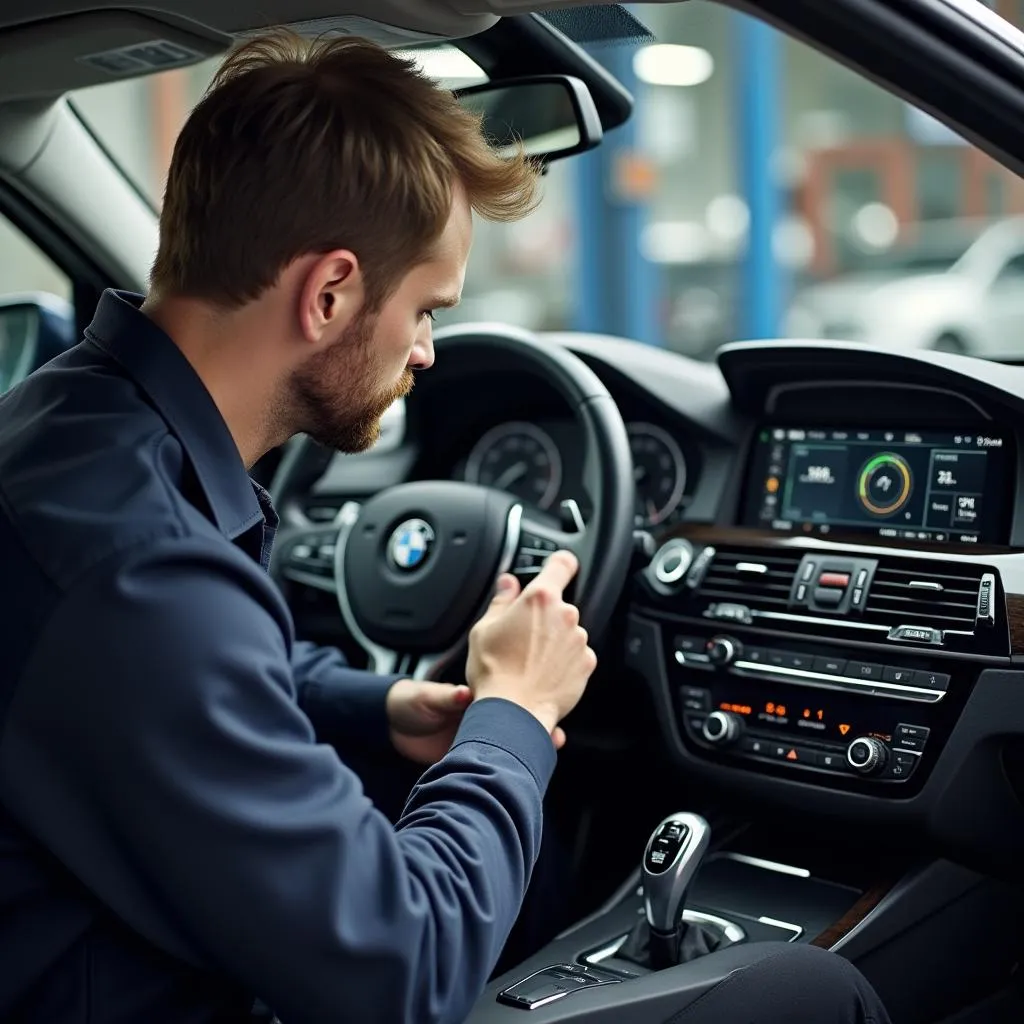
(722, 728)
(723, 650)
(867, 755)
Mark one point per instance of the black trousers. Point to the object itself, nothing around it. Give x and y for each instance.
(796, 985)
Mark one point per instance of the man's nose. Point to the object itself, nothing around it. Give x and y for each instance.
(422, 357)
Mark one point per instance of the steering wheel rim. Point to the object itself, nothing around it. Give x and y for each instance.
(361, 538)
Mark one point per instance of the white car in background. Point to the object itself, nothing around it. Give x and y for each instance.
(953, 288)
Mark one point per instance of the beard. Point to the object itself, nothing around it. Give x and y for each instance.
(340, 394)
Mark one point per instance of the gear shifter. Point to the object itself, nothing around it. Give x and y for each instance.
(673, 854)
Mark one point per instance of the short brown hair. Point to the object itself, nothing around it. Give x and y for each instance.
(307, 146)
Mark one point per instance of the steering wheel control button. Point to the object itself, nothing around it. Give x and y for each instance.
(722, 728)
(867, 755)
(665, 846)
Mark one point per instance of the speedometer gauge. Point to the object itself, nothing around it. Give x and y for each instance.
(659, 469)
(519, 458)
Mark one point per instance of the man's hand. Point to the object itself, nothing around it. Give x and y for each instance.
(530, 648)
(424, 718)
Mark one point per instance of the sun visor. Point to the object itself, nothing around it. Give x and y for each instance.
(47, 59)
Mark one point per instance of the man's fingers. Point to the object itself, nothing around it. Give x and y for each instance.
(558, 737)
(446, 697)
(558, 571)
(506, 590)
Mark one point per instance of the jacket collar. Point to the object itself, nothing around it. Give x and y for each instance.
(152, 359)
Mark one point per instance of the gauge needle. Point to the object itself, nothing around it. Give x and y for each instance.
(510, 476)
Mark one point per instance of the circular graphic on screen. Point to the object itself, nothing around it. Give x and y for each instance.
(885, 484)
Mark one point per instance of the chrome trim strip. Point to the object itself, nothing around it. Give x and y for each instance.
(752, 567)
(309, 579)
(794, 928)
(789, 617)
(768, 865)
(732, 931)
(926, 585)
(802, 678)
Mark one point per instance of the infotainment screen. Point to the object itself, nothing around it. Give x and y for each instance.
(911, 485)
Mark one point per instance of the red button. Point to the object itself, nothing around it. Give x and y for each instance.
(834, 579)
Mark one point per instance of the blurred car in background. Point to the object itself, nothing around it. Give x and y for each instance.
(952, 286)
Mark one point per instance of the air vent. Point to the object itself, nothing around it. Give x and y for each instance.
(943, 597)
(754, 578)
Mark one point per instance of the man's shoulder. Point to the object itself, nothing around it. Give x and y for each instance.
(88, 468)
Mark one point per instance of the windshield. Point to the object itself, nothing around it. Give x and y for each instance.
(760, 189)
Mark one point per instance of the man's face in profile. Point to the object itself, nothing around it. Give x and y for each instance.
(342, 392)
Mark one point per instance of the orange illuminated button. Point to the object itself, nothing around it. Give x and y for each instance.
(844, 729)
(792, 755)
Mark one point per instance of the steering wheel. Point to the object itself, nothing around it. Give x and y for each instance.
(415, 566)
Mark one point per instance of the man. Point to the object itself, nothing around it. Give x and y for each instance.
(174, 842)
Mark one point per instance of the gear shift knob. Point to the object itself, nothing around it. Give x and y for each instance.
(673, 855)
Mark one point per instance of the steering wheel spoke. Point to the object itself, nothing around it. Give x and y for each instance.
(306, 555)
(540, 536)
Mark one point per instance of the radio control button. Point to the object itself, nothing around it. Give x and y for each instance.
(895, 674)
(695, 723)
(723, 650)
(833, 761)
(755, 746)
(903, 764)
(863, 670)
(867, 755)
(757, 655)
(932, 680)
(696, 699)
(803, 662)
(910, 737)
(830, 666)
(722, 728)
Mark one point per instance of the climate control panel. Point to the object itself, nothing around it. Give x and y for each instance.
(810, 711)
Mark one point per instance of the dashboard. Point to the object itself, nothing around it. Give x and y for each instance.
(827, 609)
(543, 462)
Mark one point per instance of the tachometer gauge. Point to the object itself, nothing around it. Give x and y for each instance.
(659, 469)
(519, 458)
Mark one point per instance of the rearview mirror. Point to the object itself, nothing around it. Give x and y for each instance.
(33, 329)
(550, 116)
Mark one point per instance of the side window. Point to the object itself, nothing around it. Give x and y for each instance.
(1012, 271)
(36, 314)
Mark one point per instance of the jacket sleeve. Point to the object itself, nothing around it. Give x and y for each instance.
(156, 747)
(345, 705)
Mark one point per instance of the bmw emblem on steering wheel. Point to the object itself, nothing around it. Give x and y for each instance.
(410, 544)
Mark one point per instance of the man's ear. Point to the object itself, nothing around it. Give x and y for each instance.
(332, 295)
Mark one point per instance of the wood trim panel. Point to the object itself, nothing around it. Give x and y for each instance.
(853, 917)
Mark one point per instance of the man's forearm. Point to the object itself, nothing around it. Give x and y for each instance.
(347, 706)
